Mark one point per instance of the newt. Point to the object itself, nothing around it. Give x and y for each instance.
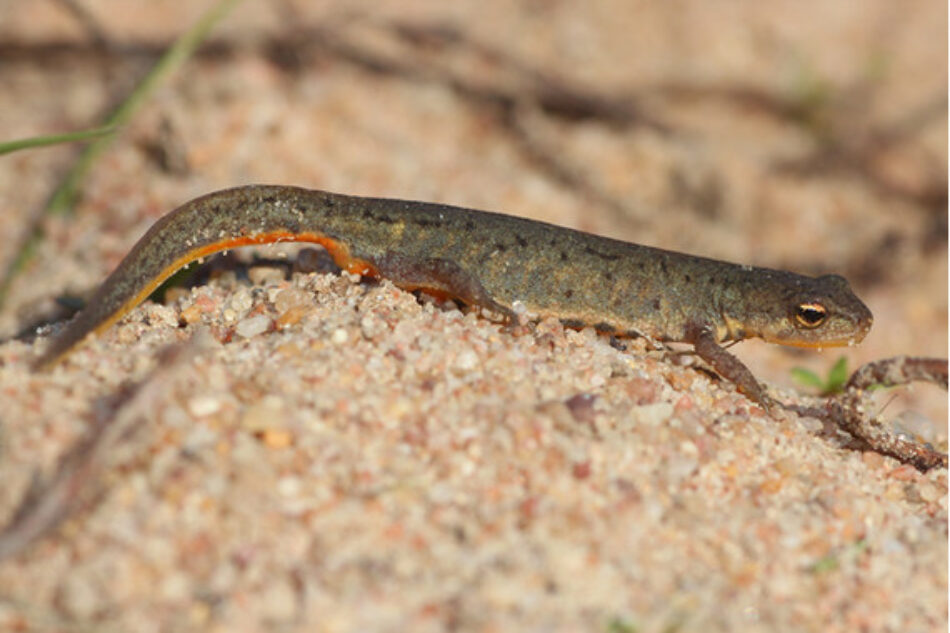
(512, 266)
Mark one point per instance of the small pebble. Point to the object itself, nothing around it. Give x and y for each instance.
(159, 315)
(289, 486)
(929, 492)
(263, 414)
(191, 314)
(175, 293)
(641, 390)
(652, 414)
(261, 275)
(252, 326)
(241, 301)
(127, 334)
(201, 406)
(291, 297)
(581, 407)
(372, 327)
(292, 316)
(277, 438)
(339, 336)
(467, 360)
(680, 381)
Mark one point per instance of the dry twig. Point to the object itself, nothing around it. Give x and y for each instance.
(47, 503)
(847, 410)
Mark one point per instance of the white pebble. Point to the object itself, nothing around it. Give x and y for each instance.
(467, 360)
(652, 414)
(339, 336)
(253, 326)
(241, 301)
(200, 406)
(372, 326)
(289, 486)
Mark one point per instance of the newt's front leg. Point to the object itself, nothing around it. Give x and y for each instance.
(730, 367)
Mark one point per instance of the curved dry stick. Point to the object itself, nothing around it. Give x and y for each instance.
(899, 370)
(846, 411)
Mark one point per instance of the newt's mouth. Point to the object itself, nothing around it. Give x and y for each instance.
(855, 336)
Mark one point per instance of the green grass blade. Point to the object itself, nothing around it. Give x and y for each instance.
(9, 147)
(63, 198)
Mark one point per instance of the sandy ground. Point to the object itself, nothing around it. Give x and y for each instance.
(331, 455)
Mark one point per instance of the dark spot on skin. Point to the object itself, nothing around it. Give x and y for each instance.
(568, 293)
(564, 256)
(573, 323)
(687, 278)
(617, 344)
(424, 223)
(501, 248)
(631, 334)
(604, 328)
(469, 225)
(609, 276)
(712, 280)
(656, 304)
(521, 241)
(663, 266)
(596, 253)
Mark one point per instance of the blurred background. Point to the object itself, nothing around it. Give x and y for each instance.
(805, 136)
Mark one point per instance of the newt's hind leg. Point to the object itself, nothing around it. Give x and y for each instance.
(440, 276)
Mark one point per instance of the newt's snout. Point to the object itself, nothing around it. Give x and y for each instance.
(816, 312)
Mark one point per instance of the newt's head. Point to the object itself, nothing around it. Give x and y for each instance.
(805, 312)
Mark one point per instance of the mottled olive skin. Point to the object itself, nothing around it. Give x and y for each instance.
(507, 264)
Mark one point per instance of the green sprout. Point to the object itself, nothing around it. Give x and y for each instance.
(832, 384)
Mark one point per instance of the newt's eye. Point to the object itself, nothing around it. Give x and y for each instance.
(810, 315)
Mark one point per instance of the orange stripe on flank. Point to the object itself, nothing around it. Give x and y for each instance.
(339, 251)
